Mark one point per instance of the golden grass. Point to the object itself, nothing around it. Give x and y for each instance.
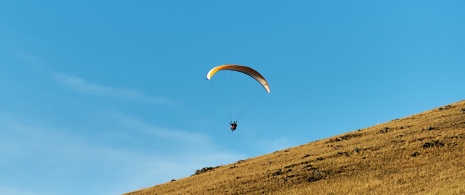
(420, 154)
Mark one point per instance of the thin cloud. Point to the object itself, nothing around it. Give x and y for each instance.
(51, 153)
(9, 190)
(158, 132)
(63, 157)
(84, 86)
(31, 59)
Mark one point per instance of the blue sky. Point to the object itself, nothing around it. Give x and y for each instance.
(107, 97)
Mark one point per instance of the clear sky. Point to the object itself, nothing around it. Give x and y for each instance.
(107, 97)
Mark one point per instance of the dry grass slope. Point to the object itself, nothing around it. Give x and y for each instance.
(420, 154)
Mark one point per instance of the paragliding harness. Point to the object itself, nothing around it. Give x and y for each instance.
(233, 125)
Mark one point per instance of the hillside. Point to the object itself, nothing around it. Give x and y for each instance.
(419, 154)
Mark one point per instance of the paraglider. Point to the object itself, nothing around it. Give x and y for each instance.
(233, 125)
(243, 70)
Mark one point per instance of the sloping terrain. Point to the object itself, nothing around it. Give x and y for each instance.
(419, 154)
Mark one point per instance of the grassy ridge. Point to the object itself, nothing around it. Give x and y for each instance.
(420, 154)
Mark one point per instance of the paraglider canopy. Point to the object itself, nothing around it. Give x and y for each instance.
(243, 69)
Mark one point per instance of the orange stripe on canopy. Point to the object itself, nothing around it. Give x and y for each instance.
(243, 69)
